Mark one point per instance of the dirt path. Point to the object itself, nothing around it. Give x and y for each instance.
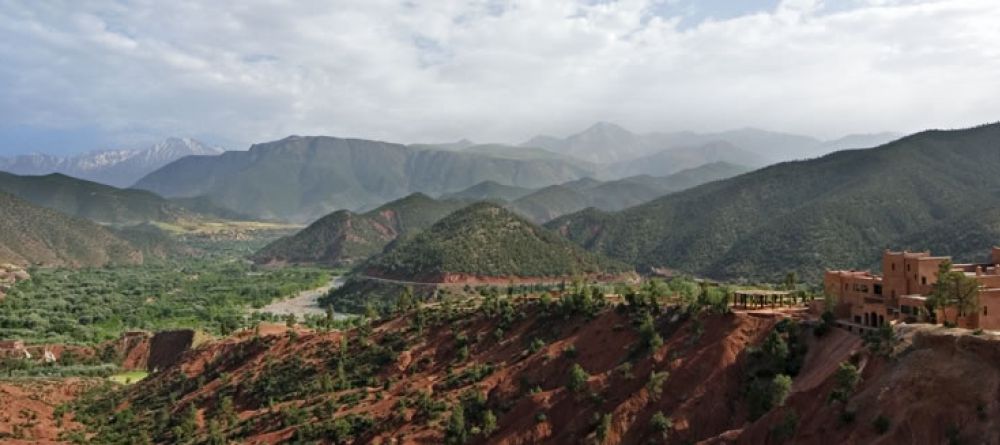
(305, 303)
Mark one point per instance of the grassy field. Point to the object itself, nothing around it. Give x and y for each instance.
(128, 378)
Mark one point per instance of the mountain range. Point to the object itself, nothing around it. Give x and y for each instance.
(344, 238)
(300, 179)
(119, 168)
(837, 211)
(607, 143)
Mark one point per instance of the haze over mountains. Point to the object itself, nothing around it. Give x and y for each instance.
(120, 168)
(607, 143)
(300, 179)
(100, 203)
(837, 211)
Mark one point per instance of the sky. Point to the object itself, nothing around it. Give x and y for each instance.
(78, 75)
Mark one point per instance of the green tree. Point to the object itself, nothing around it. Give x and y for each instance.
(791, 281)
(661, 424)
(603, 428)
(489, 423)
(188, 424)
(780, 387)
(655, 384)
(647, 331)
(405, 301)
(846, 378)
(455, 432)
(577, 378)
(226, 413)
(956, 290)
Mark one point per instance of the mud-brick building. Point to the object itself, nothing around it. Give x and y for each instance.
(900, 293)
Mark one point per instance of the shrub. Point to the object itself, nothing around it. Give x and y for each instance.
(603, 427)
(655, 384)
(570, 351)
(455, 432)
(661, 423)
(846, 377)
(786, 428)
(881, 424)
(847, 416)
(780, 387)
(536, 345)
(489, 423)
(577, 379)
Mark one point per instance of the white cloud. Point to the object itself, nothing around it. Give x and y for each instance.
(493, 70)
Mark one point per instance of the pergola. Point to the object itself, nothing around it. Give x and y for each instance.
(762, 298)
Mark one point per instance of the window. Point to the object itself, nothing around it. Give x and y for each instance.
(893, 266)
(857, 319)
(878, 289)
(923, 280)
(907, 267)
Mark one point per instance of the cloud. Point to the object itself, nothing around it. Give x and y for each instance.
(494, 70)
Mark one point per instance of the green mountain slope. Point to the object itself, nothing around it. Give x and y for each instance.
(840, 210)
(486, 240)
(344, 237)
(96, 202)
(30, 234)
(490, 191)
(302, 178)
(555, 201)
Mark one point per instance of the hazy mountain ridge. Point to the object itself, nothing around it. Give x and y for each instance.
(550, 202)
(97, 202)
(607, 143)
(837, 211)
(302, 178)
(119, 168)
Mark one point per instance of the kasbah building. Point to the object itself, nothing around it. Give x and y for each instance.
(866, 300)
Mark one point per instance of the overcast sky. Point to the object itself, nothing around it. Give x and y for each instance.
(78, 75)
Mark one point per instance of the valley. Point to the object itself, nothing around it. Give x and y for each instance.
(516, 222)
(586, 311)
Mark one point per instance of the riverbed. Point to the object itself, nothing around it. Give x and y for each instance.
(305, 302)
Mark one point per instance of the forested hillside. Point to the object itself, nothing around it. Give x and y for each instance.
(343, 237)
(486, 240)
(558, 200)
(34, 235)
(840, 211)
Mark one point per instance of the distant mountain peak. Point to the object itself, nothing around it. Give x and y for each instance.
(117, 167)
(605, 129)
